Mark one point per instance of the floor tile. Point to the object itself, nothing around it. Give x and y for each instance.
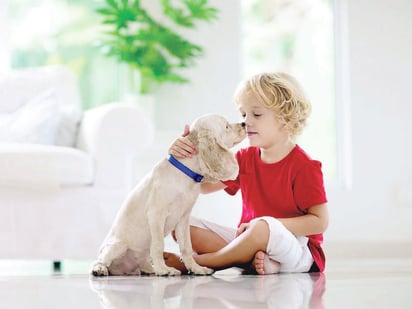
(345, 284)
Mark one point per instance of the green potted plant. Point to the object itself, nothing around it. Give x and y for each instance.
(156, 52)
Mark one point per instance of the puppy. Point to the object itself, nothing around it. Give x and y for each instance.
(163, 200)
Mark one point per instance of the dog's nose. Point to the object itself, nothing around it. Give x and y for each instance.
(243, 124)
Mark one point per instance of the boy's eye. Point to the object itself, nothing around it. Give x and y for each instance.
(254, 115)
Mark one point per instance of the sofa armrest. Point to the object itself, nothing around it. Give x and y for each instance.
(114, 134)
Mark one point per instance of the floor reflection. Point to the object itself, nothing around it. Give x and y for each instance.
(217, 291)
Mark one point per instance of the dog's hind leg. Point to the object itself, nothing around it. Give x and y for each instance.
(108, 254)
(182, 231)
(147, 268)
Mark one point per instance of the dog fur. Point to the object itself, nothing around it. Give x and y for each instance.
(162, 202)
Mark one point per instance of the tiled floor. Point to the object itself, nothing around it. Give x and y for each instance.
(345, 284)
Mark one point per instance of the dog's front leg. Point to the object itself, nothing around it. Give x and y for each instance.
(182, 231)
(157, 226)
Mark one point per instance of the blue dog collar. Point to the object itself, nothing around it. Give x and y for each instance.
(195, 176)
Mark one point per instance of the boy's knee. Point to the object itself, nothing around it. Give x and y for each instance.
(273, 225)
(259, 225)
(259, 231)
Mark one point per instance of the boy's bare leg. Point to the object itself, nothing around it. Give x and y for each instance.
(203, 241)
(240, 251)
(213, 251)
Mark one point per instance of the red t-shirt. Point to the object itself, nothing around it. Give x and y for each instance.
(284, 189)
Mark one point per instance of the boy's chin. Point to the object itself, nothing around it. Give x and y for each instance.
(253, 143)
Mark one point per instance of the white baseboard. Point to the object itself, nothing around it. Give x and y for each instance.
(368, 250)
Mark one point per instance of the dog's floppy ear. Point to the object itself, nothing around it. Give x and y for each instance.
(217, 162)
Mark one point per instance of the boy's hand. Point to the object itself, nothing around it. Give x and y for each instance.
(182, 147)
(243, 227)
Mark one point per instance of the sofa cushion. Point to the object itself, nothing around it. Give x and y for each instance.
(44, 165)
(36, 122)
(20, 86)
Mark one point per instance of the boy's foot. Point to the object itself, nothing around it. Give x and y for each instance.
(173, 260)
(265, 265)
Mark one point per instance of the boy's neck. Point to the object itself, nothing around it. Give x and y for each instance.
(276, 154)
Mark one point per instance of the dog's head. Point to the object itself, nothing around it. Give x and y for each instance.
(213, 135)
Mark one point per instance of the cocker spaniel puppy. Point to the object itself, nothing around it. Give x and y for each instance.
(163, 200)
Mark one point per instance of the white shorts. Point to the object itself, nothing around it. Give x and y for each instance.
(290, 251)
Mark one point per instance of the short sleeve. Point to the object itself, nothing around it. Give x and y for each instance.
(308, 188)
(232, 186)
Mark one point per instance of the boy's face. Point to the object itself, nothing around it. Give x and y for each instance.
(263, 128)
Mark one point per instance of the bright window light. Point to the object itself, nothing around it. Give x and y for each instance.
(297, 37)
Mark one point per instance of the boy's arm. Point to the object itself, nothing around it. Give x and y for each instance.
(314, 222)
(208, 187)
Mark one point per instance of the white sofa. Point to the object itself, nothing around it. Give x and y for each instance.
(63, 173)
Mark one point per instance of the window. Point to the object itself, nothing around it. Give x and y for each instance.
(62, 32)
(284, 35)
(296, 36)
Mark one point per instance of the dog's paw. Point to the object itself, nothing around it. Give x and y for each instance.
(166, 271)
(200, 270)
(99, 270)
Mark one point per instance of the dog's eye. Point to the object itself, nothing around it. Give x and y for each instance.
(227, 126)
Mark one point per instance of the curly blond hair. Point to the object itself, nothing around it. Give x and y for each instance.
(281, 93)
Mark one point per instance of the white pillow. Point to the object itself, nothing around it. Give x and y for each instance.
(68, 127)
(35, 122)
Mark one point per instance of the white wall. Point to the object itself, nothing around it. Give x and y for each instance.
(4, 55)
(377, 207)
